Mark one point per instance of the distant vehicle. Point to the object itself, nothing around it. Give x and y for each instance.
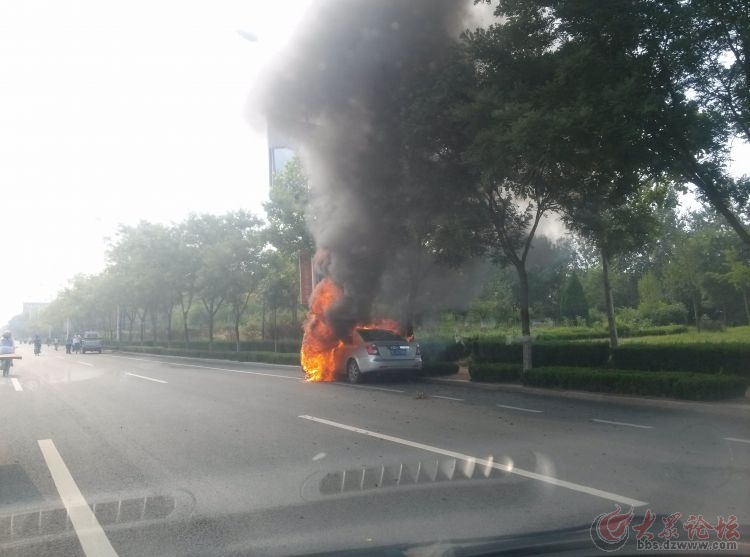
(376, 350)
(91, 342)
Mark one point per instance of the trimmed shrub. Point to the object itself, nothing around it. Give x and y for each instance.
(689, 386)
(287, 345)
(437, 350)
(543, 354)
(431, 369)
(623, 330)
(495, 373)
(570, 354)
(699, 358)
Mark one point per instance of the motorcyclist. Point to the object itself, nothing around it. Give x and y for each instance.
(37, 345)
(7, 346)
(77, 343)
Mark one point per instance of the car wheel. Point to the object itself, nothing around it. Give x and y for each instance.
(352, 372)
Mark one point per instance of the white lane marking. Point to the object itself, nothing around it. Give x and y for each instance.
(369, 387)
(521, 409)
(90, 533)
(16, 384)
(489, 463)
(287, 366)
(144, 377)
(736, 440)
(446, 397)
(232, 370)
(622, 423)
(84, 363)
(319, 456)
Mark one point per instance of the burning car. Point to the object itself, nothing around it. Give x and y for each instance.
(375, 350)
(376, 346)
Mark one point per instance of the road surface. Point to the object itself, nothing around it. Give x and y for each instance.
(124, 454)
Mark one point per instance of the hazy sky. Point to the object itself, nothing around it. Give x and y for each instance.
(112, 112)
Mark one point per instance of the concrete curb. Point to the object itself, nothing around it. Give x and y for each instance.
(734, 408)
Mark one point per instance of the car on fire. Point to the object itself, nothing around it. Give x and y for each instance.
(370, 351)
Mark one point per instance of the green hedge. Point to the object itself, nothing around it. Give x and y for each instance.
(590, 333)
(264, 357)
(287, 345)
(431, 369)
(700, 358)
(439, 350)
(689, 386)
(495, 373)
(543, 353)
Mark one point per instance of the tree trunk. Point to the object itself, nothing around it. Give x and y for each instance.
(263, 320)
(211, 331)
(523, 291)
(154, 319)
(747, 308)
(697, 312)
(275, 332)
(168, 315)
(186, 332)
(608, 301)
(237, 330)
(142, 318)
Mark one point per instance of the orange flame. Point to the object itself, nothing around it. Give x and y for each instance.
(319, 342)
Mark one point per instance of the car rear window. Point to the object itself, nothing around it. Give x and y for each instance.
(91, 335)
(372, 335)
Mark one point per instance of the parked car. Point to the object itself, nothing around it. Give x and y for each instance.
(376, 350)
(91, 342)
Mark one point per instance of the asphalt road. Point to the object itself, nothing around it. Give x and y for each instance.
(122, 454)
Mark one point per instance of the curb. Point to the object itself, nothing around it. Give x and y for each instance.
(734, 409)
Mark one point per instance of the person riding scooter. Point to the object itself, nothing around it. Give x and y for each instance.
(37, 345)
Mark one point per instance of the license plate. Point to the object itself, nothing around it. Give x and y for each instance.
(398, 350)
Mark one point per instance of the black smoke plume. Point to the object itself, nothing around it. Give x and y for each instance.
(339, 93)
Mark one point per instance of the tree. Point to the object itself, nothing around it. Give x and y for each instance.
(685, 274)
(573, 300)
(246, 270)
(738, 276)
(286, 210)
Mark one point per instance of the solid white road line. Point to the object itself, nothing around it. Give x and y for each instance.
(622, 423)
(484, 462)
(144, 377)
(736, 440)
(85, 363)
(16, 384)
(90, 533)
(446, 397)
(233, 370)
(521, 409)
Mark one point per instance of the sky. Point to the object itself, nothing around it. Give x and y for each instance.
(115, 112)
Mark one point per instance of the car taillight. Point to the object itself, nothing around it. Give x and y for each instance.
(419, 351)
(372, 350)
